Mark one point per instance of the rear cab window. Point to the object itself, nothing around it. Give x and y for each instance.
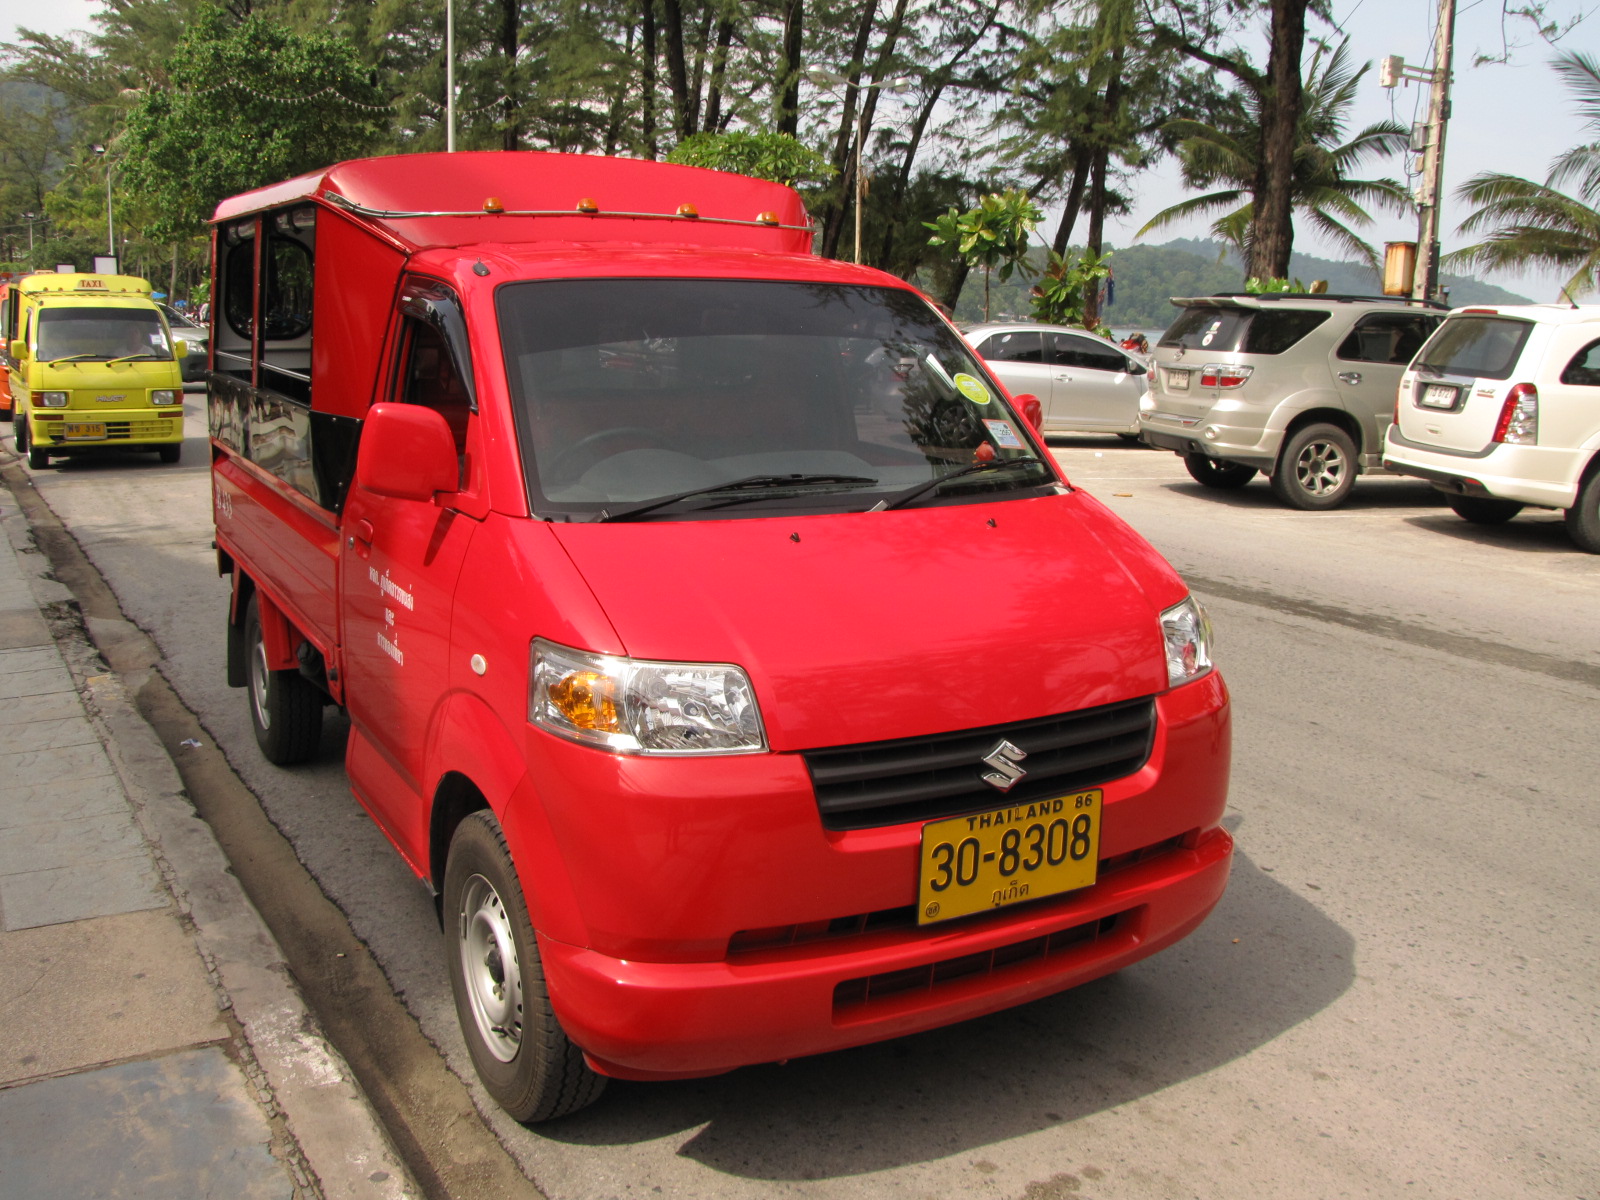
(1242, 330)
(1475, 347)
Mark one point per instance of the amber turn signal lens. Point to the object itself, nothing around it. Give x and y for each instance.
(587, 699)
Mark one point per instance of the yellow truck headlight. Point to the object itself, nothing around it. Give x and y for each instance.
(51, 399)
(165, 396)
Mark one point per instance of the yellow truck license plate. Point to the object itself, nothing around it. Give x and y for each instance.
(85, 429)
(1006, 855)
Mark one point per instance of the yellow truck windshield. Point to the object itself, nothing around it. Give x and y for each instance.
(101, 334)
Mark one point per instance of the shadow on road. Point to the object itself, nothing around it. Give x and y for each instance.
(1265, 961)
(1531, 532)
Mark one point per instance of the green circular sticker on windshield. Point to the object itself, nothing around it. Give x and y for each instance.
(971, 388)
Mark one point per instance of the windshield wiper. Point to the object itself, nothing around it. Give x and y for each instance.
(131, 357)
(752, 483)
(86, 355)
(928, 485)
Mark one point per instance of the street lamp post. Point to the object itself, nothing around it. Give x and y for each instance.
(830, 80)
(111, 233)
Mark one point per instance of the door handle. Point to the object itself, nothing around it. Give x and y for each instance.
(1350, 377)
(360, 539)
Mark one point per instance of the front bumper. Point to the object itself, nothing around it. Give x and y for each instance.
(680, 1020)
(48, 429)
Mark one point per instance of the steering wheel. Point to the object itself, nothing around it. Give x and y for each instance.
(587, 451)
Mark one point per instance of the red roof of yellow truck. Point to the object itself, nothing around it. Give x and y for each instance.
(420, 201)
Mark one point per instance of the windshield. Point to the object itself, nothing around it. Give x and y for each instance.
(735, 397)
(98, 334)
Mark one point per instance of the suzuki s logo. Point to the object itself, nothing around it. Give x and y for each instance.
(1005, 759)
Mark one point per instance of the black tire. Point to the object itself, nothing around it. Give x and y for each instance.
(522, 1055)
(1224, 476)
(38, 459)
(1131, 438)
(1316, 469)
(285, 709)
(172, 453)
(1483, 510)
(1583, 518)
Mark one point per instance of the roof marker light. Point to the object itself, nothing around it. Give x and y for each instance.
(688, 210)
(767, 218)
(493, 205)
(586, 205)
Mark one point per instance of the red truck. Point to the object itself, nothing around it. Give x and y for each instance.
(719, 644)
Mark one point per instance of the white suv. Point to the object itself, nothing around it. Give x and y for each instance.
(1501, 409)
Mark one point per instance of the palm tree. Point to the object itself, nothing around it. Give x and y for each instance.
(1228, 153)
(1537, 224)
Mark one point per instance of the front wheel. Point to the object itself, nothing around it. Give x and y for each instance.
(1583, 518)
(285, 709)
(1316, 469)
(38, 459)
(521, 1053)
(1483, 510)
(172, 453)
(1224, 476)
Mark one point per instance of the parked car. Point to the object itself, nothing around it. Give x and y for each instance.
(1084, 383)
(1501, 410)
(194, 336)
(1299, 387)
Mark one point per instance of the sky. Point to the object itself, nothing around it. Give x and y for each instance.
(1513, 118)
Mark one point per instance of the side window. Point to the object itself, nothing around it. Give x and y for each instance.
(1013, 347)
(430, 377)
(1276, 330)
(1584, 369)
(276, 283)
(286, 301)
(1089, 354)
(1386, 338)
(8, 318)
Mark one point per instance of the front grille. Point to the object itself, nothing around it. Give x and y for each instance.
(941, 775)
(854, 994)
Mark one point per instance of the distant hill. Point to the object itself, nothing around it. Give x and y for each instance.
(1147, 277)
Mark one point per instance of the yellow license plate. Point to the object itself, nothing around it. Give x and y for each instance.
(85, 429)
(1006, 855)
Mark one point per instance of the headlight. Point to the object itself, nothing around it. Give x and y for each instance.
(630, 706)
(165, 396)
(52, 399)
(1187, 633)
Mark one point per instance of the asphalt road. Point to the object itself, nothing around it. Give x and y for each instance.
(1397, 996)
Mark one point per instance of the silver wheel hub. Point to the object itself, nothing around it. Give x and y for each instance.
(1321, 468)
(490, 968)
(258, 683)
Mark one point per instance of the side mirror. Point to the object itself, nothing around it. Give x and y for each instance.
(1028, 405)
(18, 348)
(407, 452)
(180, 349)
(1137, 368)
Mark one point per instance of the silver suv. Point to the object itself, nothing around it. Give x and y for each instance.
(1299, 387)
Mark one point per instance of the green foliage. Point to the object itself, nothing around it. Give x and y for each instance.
(1267, 287)
(247, 103)
(993, 235)
(774, 156)
(1536, 224)
(1228, 152)
(1058, 297)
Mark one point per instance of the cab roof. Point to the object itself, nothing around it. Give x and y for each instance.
(425, 201)
(81, 283)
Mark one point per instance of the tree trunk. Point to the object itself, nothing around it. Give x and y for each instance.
(1069, 214)
(511, 106)
(844, 161)
(647, 116)
(788, 106)
(677, 67)
(1096, 239)
(619, 99)
(1272, 226)
(719, 66)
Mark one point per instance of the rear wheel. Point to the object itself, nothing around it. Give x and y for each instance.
(1316, 469)
(1483, 510)
(522, 1054)
(1583, 518)
(285, 709)
(1224, 476)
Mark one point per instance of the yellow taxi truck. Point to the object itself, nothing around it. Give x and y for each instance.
(91, 366)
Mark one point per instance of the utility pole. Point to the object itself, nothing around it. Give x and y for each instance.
(1392, 71)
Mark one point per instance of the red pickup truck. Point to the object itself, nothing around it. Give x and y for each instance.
(719, 643)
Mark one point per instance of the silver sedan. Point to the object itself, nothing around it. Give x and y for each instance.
(1084, 383)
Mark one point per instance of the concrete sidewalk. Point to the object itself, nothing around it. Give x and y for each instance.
(152, 1043)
